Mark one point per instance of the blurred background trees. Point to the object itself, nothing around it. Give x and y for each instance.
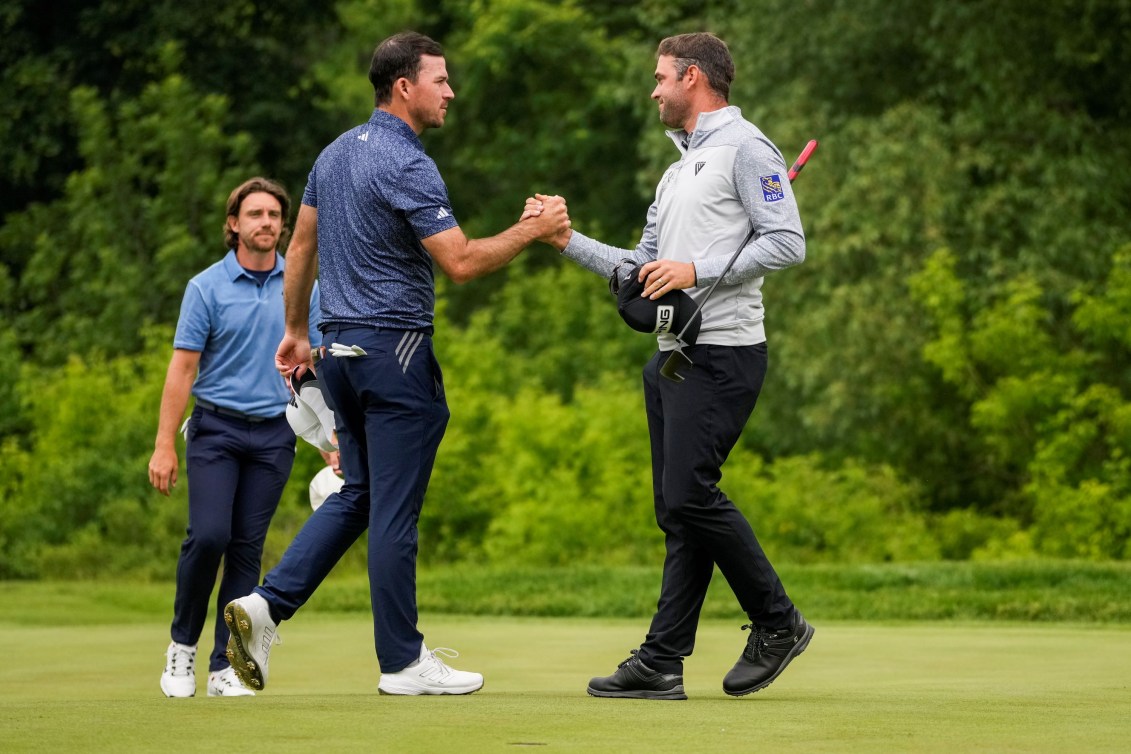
(950, 368)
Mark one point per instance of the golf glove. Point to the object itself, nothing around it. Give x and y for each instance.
(337, 349)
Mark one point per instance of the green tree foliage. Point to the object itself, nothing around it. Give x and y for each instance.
(254, 53)
(949, 369)
(934, 136)
(144, 214)
(76, 496)
(1046, 420)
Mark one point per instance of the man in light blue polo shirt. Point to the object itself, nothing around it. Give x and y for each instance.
(240, 447)
(374, 218)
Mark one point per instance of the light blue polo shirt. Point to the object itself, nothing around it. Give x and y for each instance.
(236, 324)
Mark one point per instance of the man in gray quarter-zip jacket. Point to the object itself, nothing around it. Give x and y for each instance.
(729, 178)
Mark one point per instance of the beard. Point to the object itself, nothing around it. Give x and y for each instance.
(673, 113)
(261, 243)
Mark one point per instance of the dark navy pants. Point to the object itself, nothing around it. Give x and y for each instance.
(391, 413)
(236, 473)
(693, 425)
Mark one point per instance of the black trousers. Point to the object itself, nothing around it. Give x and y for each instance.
(693, 426)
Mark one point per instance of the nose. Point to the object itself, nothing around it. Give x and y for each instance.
(656, 92)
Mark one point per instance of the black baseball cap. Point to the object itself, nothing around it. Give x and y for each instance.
(669, 313)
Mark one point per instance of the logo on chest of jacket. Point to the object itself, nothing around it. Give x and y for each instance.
(771, 187)
(699, 166)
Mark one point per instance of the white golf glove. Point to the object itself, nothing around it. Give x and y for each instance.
(337, 349)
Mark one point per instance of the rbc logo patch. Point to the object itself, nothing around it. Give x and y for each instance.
(771, 188)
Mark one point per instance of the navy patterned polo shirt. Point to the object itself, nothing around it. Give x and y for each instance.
(377, 194)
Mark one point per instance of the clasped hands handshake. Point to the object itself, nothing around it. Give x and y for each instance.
(552, 218)
(659, 276)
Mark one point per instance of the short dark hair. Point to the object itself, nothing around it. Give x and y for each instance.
(399, 57)
(246, 189)
(706, 51)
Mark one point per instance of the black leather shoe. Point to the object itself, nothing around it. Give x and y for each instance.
(635, 680)
(766, 655)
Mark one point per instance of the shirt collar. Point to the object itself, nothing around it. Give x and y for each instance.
(706, 123)
(234, 269)
(385, 119)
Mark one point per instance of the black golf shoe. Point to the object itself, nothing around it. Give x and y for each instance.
(766, 655)
(635, 680)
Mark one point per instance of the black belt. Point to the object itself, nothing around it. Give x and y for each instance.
(232, 412)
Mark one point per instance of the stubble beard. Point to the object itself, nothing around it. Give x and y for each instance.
(673, 114)
(261, 244)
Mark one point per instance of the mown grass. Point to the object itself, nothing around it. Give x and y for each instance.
(875, 687)
(1018, 657)
(1023, 591)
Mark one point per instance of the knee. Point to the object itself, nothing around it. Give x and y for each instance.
(245, 554)
(686, 497)
(208, 542)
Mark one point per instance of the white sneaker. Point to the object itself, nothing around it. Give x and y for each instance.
(253, 633)
(226, 683)
(429, 675)
(179, 678)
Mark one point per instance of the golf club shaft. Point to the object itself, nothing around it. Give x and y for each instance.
(798, 164)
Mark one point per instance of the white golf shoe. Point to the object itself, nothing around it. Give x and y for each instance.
(226, 683)
(179, 678)
(253, 634)
(429, 675)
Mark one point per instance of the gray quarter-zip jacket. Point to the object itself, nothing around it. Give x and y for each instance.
(729, 179)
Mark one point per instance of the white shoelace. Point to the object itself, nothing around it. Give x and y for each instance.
(442, 670)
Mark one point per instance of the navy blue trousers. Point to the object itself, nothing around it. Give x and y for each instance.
(391, 413)
(693, 425)
(236, 473)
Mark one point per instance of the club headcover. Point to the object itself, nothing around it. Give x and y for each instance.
(667, 314)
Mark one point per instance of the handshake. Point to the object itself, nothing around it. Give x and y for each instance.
(550, 220)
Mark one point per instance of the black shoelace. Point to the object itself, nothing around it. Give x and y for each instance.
(756, 644)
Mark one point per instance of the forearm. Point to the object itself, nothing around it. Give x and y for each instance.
(174, 400)
(302, 268)
(483, 256)
(602, 258)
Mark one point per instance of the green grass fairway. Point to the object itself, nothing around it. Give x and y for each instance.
(860, 688)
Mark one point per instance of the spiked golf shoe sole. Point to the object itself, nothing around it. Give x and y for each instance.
(239, 624)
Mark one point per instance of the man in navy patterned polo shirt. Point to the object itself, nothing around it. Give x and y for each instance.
(375, 216)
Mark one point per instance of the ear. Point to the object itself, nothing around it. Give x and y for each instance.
(233, 223)
(400, 86)
(692, 76)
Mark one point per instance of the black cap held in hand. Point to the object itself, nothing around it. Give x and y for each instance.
(669, 313)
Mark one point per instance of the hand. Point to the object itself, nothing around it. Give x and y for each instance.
(333, 460)
(293, 352)
(163, 470)
(662, 276)
(552, 217)
(533, 208)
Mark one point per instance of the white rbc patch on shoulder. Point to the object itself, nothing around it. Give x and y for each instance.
(771, 187)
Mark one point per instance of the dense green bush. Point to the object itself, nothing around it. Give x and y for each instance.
(948, 370)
